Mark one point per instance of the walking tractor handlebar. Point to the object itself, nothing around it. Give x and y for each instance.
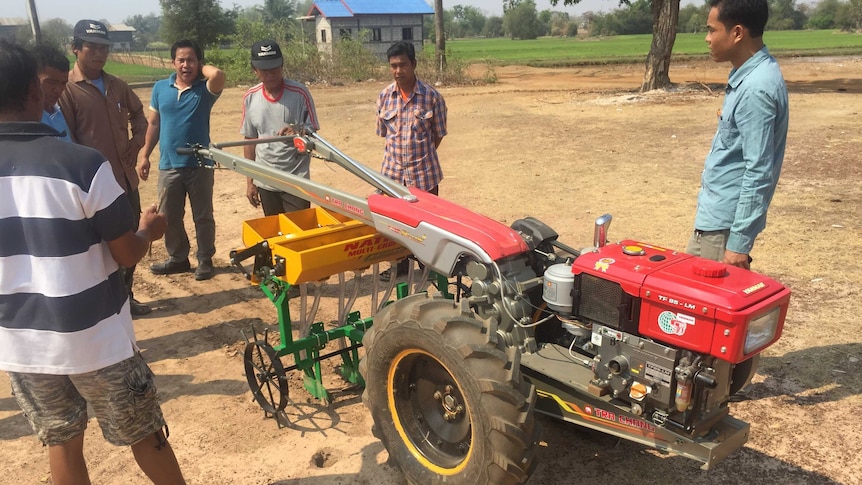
(628, 338)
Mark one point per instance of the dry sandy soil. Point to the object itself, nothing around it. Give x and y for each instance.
(563, 145)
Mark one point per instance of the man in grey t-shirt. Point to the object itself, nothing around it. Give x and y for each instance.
(275, 107)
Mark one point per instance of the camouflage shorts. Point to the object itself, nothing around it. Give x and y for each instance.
(123, 397)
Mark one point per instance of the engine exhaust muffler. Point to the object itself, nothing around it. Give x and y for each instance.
(600, 233)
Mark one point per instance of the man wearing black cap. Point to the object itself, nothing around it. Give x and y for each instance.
(99, 110)
(275, 107)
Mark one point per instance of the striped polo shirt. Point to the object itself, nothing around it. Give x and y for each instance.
(63, 305)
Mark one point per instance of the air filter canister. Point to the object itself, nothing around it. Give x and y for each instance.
(558, 283)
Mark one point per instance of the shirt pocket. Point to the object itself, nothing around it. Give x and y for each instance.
(422, 122)
(389, 119)
(728, 133)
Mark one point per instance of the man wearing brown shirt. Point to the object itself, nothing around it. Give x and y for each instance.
(100, 109)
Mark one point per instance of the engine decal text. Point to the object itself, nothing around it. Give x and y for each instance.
(673, 301)
(658, 373)
(754, 288)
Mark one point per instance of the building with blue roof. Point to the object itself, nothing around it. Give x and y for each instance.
(383, 22)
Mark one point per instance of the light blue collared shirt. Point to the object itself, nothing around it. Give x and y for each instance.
(743, 165)
(57, 121)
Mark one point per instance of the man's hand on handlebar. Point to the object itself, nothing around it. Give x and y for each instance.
(287, 130)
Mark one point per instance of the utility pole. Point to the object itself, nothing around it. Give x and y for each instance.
(440, 43)
(34, 21)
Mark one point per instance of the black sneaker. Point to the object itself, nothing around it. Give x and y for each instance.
(171, 267)
(137, 308)
(205, 271)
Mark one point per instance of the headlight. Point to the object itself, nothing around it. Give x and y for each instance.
(761, 330)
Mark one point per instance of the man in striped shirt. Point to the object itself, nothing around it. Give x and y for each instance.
(66, 334)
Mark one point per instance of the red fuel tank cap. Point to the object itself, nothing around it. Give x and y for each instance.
(708, 268)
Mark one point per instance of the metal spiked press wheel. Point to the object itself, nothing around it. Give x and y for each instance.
(266, 377)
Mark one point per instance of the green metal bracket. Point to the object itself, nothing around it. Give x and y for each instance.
(306, 350)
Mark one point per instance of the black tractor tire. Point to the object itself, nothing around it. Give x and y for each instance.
(447, 398)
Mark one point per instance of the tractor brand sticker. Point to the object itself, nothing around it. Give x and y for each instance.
(674, 323)
(419, 239)
(658, 373)
(636, 423)
(607, 415)
(603, 264)
(368, 246)
(401, 232)
(347, 206)
(754, 288)
(624, 420)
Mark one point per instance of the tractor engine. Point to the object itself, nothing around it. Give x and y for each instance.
(668, 336)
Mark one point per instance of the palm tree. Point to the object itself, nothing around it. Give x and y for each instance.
(276, 10)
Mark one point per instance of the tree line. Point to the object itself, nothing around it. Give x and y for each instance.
(212, 25)
(521, 19)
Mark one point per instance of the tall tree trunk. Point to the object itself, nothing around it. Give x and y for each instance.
(665, 14)
(440, 37)
(34, 22)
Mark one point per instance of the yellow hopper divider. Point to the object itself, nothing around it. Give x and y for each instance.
(316, 243)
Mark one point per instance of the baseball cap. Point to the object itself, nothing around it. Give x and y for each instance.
(92, 31)
(266, 54)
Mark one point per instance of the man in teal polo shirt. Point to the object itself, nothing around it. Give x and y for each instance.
(182, 103)
(743, 165)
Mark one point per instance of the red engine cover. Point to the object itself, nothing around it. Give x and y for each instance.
(689, 302)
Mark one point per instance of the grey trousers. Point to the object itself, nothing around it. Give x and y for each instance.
(708, 244)
(174, 185)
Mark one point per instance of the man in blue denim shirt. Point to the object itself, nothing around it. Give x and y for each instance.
(743, 165)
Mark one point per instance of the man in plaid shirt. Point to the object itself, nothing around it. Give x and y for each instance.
(411, 116)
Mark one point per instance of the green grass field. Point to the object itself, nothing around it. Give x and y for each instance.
(554, 51)
(132, 73)
(559, 52)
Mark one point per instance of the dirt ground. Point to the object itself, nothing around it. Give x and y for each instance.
(565, 146)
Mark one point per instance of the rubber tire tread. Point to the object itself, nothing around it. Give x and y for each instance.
(504, 425)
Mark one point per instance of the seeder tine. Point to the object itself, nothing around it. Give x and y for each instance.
(253, 333)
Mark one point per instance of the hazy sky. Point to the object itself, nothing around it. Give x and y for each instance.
(117, 10)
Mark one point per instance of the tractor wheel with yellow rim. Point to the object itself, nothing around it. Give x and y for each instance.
(447, 396)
